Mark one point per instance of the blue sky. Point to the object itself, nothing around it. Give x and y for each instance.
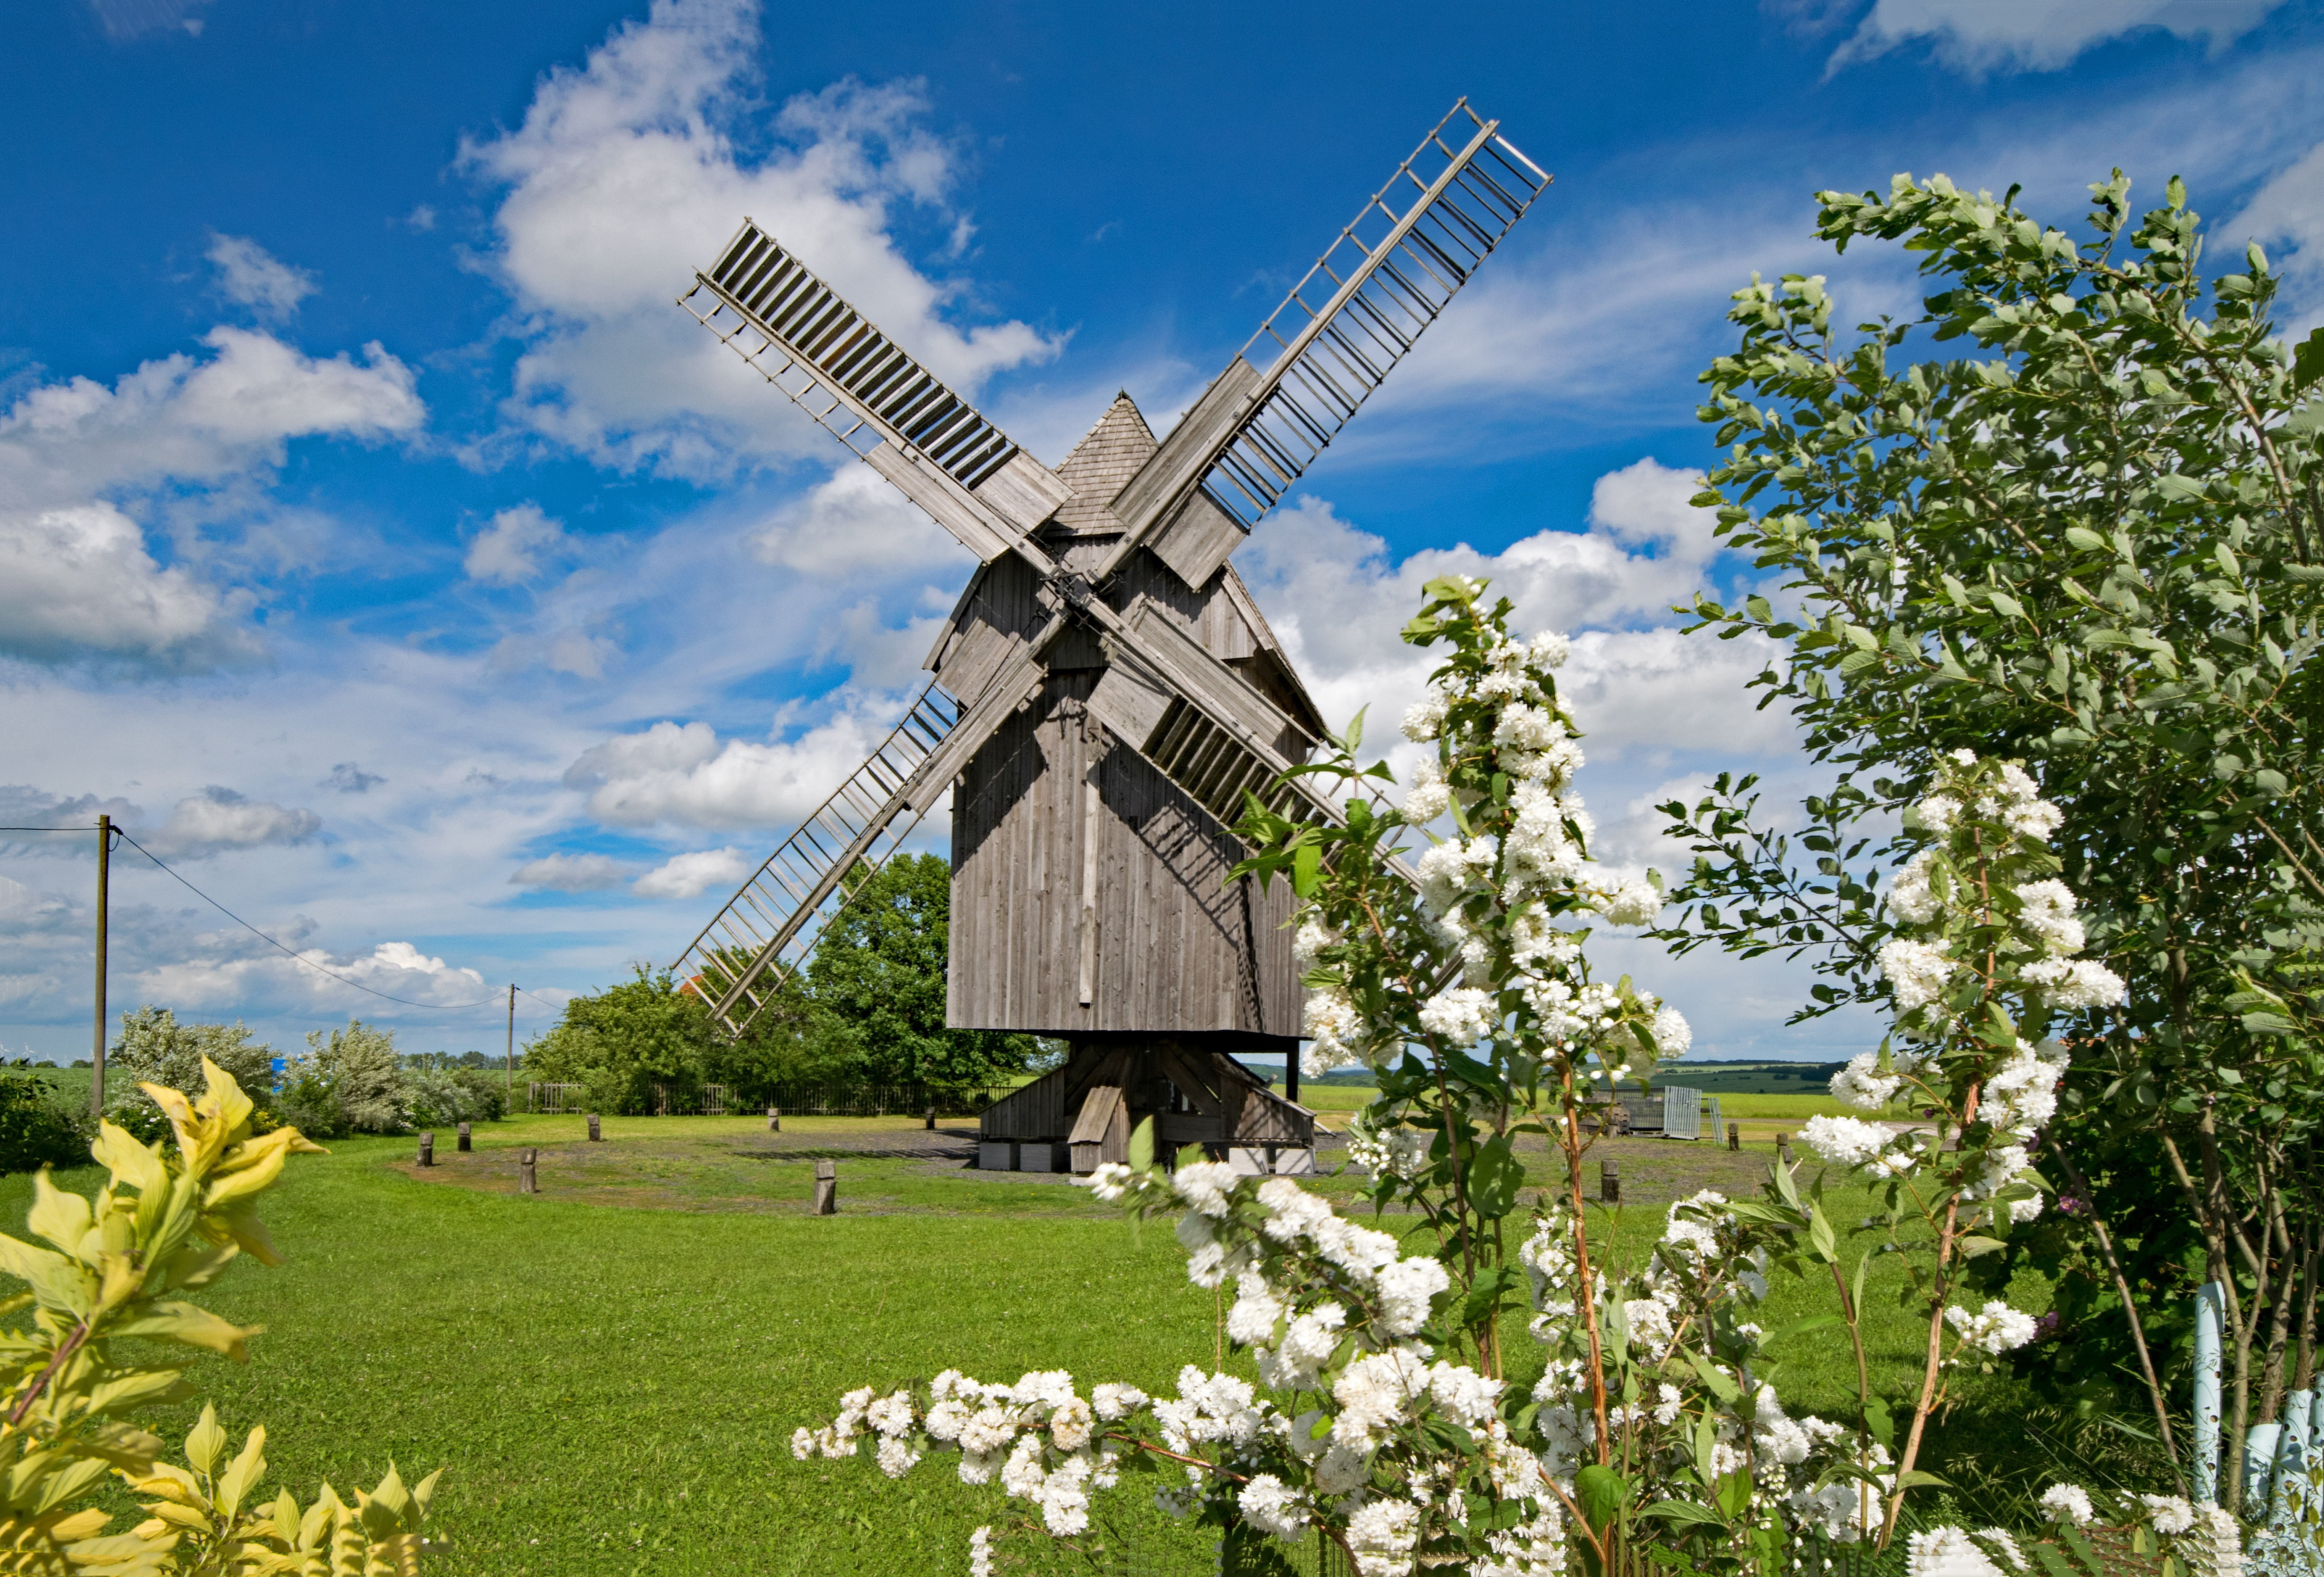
(385, 547)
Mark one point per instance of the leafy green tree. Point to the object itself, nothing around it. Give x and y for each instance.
(626, 1040)
(876, 986)
(2092, 544)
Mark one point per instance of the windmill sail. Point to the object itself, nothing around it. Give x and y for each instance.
(872, 396)
(741, 958)
(1385, 279)
(769, 927)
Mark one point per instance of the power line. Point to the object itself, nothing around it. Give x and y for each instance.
(287, 952)
(90, 828)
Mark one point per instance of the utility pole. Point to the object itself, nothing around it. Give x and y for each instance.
(104, 889)
(511, 1097)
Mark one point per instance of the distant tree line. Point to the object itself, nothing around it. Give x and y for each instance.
(868, 1009)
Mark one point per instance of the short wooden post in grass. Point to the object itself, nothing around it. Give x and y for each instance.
(1734, 1136)
(774, 1120)
(426, 1149)
(526, 1180)
(932, 1117)
(1784, 1148)
(595, 1133)
(465, 1145)
(827, 1188)
(1610, 1183)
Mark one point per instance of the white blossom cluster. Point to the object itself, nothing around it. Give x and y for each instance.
(1991, 813)
(1993, 1329)
(1684, 1314)
(1386, 1151)
(1539, 854)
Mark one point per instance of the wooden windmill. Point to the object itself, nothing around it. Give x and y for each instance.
(1105, 691)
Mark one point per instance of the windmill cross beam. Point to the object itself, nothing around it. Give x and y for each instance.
(1106, 697)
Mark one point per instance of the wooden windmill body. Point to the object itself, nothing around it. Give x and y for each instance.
(1106, 692)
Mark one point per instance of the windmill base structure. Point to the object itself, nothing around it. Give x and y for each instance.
(1107, 698)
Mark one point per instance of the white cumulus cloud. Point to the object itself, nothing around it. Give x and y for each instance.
(1338, 601)
(571, 873)
(621, 179)
(691, 874)
(193, 420)
(1988, 35)
(77, 578)
(683, 775)
(78, 582)
(218, 819)
(251, 275)
(508, 552)
(262, 983)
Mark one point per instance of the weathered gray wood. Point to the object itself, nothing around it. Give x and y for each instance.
(1609, 1182)
(426, 1149)
(1189, 449)
(774, 1120)
(979, 528)
(1734, 1136)
(1024, 491)
(1197, 540)
(1178, 949)
(1784, 1148)
(1132, 701)
(465, 1145)
(594, 1133)
(827, 1188)
(528, 1180)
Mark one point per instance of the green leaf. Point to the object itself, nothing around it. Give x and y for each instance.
(1495, 1177)
(1972, 1247)
(2307, 360)
(1823, 1246)
(1141, 1147)
(1601, 1493)
(1720, 1385)
(1684, 1511)
(1306, 869)
(1801, 1327)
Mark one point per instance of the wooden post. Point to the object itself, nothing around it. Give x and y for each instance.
(827, 1188)
(465, 1146)
(1609, 1182)
(526, 1180)
(510, 1099)
(1734, 1136)
(426, 1149)
(104, 903)
(1784, 1148)
(595, 1134)
(774, 1120)
(932, 1116)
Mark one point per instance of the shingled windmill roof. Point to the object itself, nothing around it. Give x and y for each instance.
(1102, 463)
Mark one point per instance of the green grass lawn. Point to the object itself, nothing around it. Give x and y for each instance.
(610, 1371)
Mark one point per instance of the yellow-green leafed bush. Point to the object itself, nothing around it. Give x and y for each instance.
(163, 1226)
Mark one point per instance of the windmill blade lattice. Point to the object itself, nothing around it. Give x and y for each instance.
(739, 961)
(1362, 305)
(1389, 275)
(835, 364)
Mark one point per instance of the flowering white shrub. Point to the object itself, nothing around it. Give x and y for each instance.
(1380, 1413)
